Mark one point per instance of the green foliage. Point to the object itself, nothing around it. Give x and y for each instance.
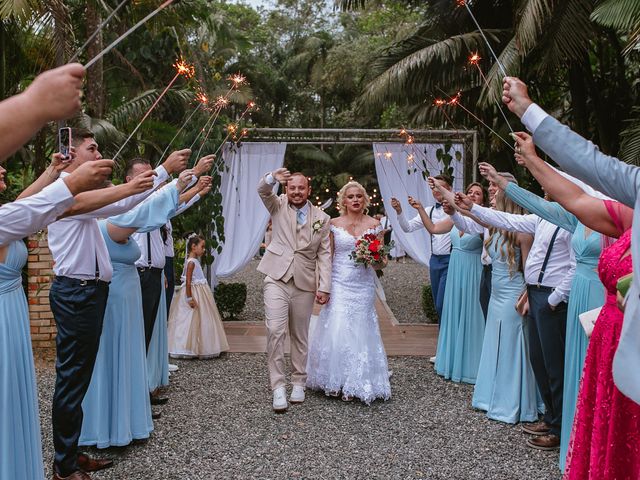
(428, 307)
(230, 299)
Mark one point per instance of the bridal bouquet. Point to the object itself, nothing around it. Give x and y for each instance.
(370, 251)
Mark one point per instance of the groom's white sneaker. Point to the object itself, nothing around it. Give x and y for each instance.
(297, 394)
(280, 404)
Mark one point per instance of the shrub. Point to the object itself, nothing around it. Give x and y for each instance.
(230, 299)
(428, 307)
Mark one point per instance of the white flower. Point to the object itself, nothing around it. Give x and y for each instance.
(317, 225)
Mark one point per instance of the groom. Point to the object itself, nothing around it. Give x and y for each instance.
(297, 265)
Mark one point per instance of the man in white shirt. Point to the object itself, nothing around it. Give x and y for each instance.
(582, 159)
(440, 244)
(549, 272)
(78, 298)
(34, 212)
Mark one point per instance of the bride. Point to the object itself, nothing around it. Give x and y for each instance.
(346, 354)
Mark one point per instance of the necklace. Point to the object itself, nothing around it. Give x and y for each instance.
(354, 225)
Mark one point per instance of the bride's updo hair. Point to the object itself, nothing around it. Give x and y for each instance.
(343, 191)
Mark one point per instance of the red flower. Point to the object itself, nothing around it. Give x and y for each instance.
(373, 246)
(376, 256)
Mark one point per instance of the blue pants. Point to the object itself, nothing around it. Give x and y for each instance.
(78, 309)
(547, 329)
(171, 283)
(438, 268)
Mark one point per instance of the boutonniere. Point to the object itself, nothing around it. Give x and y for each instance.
(317, 225)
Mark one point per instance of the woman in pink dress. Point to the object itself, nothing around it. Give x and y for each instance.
(605, 439)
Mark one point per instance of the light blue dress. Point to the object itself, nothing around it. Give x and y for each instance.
(20, 447)
(158, 355)
(462, 324)
(116, 407)
(587, 293)
(505, 387)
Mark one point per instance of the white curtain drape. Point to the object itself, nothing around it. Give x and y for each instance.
(397, 178)
(245, 217)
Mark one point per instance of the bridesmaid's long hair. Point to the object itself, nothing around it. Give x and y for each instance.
(343, 190)
(507, 247)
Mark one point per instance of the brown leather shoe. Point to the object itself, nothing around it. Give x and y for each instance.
(545, 442)
(88, 464)
(79, 475)
(538, 428)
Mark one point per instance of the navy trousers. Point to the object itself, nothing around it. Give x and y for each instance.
(485, 289)
(546, 329)
(171, 283)
(438, 268)
(78, 308)
(151, 288)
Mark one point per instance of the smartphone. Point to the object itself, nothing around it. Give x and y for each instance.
(64, 142)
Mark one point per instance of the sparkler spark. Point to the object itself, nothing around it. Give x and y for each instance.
(474, 58)
(439, 102)
(202, 98)
(185, 69)
(221, 102)
(237, 79)
(388, 155)
(461, 3)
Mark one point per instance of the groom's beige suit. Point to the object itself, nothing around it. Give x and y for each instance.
(297, 263)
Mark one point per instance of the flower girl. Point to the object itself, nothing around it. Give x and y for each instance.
(195, 327)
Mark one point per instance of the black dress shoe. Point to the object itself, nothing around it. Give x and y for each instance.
(158, 400)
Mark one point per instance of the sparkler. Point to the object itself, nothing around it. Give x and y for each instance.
(236, 80)
(117, 41)
(182, 68)
(474, 59)
(232, 128)
(455, 102)
(203, 101)
(94, 34)
(465, 3)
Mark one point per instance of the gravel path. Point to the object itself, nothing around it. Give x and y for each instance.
(402, 284)
(218, 424)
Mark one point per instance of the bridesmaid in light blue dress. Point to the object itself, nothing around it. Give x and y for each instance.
(506, 387)
(462, 324)
(587, 293)
(20, 447)
(116, 407)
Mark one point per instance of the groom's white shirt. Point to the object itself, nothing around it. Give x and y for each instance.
(582, 159)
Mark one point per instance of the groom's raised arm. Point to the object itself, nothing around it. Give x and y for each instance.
(265, 190)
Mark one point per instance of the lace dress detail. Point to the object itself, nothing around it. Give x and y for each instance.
(346, 351)
(605, 442)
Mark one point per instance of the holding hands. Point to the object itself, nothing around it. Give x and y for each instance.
(322, 298)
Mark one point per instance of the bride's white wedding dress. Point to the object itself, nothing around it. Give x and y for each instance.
(346, 351)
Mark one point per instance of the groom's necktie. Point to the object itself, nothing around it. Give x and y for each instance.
(301, 217)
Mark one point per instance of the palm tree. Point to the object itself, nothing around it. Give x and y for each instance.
(552, 44)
